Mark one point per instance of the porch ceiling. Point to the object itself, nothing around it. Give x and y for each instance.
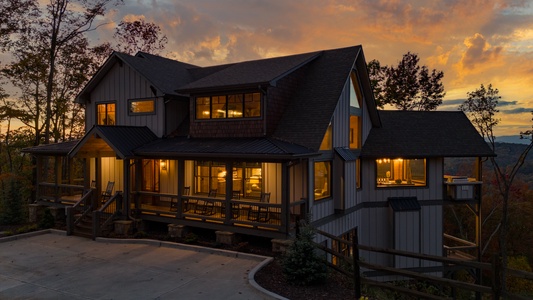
(95, 146)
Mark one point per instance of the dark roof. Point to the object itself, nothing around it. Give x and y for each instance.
(52, 149)
(246, 74)
(249, 148)
(404, 204)
(122, 139)
(309, 113)
(416, 134)
(163, 74)
(346, 154)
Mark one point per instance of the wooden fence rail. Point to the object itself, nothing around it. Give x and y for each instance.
(494, 269)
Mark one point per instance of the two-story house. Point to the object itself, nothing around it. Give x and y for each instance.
(251, 147)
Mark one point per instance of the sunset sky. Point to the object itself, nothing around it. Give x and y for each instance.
(473, 42)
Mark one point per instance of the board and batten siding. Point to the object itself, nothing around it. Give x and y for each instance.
(118, 85)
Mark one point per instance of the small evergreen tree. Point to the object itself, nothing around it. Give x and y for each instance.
(48, 220)
(301, 264)
(11, 202)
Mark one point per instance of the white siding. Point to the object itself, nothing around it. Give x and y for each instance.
(112, 170)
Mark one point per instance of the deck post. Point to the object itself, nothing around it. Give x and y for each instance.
(181, 186)
(126, 185)
(356, 269)
(229, 192)
(285, 197)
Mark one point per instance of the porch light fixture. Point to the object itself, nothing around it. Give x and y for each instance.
(163, 164)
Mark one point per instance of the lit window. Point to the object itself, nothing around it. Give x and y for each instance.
(322, 179)
(355, 132)
(355, 92)
(203, 107)
(327, 140)
(246, 177)
(105, 114)
(144, 106)
(400, 172)
(229, 106)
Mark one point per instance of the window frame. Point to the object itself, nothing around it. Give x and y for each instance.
(401, 185)
(228, 114)
(132, 113)
(329, 181)
(106, 103)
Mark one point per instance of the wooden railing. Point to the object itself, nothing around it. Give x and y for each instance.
(494, 269)
(79, 210)
(105, 215)
(460, 248)
(252, 213)
(59, 192)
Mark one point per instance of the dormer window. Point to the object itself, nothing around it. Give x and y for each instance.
(247, 105)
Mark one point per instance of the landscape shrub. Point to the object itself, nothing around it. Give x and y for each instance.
(301, 264)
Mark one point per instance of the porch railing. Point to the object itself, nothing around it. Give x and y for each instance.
(459, 248)
(110, 211)
(243, 212)
(79, 210)
(59, 193)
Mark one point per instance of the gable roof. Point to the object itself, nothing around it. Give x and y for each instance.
(309, 112)
(120, 139)
(163, 74)
(416, 134)
(245, 148)
(246, 74)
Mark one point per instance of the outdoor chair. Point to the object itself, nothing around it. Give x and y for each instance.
(108, 193)
(235, 212)
(206, 207)
(174, 201)
(260, 213)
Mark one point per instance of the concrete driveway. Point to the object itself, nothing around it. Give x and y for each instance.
(56, 266)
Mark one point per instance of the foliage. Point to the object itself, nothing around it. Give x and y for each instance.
(190, 238)
(481, 108)
(139, 35)
(301, 264)
(407, 86)
(520, 286)
(48, 220)
(27, 228)
(12, 200)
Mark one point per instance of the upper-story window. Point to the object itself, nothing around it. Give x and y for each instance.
(105, 114)
(141, 106)
(355, 113)
(246, 105)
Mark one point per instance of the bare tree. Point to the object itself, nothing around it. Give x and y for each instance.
(139, 36)
(480, 106)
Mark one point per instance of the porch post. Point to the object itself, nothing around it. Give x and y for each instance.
(126, 187)
(87, 173)
(229, 191)
(58, 169)
(98, 178)
(70, 170)
(38, 176)
(138, 182)
(181, 185)
(285, 197)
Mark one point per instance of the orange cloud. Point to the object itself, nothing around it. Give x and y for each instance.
(479, 52)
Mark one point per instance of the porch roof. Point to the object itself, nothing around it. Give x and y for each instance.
(247, 148)
(416, 134)
(122, 140)
(61, 149)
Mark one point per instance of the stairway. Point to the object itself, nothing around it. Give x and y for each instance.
(85, 227)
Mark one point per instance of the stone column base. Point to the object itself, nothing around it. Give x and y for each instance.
(58, 213)
(122, 227)
(225, 237)
(179, 231)
(36, 212)
(280, 246)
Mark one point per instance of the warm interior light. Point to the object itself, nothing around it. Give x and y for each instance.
(163, 164)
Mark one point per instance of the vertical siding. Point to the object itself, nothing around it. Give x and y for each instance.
(272, 181)
(112, 170)
(120, 84)
(407, 237)
(298, 182)
(168, 180)
(341, 118)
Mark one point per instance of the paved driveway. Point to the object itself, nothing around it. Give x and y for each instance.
(55, 266)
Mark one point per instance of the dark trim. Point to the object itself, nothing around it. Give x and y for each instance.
(134, 114)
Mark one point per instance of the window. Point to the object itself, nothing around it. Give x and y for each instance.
(232, 106)
(105, 114)
(246, 177)
(143, 106)
(355, 92)
(400, 172)
(327, 141)
(322, 179)
(355, 132)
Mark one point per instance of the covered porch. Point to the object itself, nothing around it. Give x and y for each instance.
(254, 193)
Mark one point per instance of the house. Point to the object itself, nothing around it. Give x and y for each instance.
(252, 147)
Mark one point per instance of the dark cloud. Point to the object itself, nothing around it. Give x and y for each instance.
(519, 110)
(479, 52)
(506, 103)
